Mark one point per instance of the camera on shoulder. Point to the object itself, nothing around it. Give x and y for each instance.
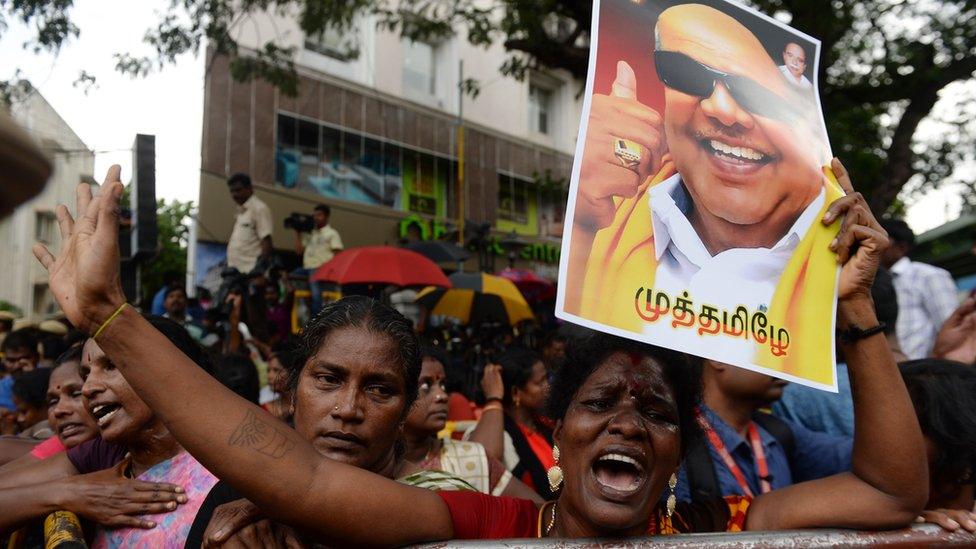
(300, 222)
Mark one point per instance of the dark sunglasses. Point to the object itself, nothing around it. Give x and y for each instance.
(682, 73)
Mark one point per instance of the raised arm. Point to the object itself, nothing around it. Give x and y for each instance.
(490, 430)
(888, 482)
(335, 502)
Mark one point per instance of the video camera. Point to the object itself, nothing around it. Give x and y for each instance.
(300, 222)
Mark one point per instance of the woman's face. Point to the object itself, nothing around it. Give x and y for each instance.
(67, 410)
(619, 442)
(277, 377)
(351, 398)
(429, 413)
(120, 414)
(533, 394)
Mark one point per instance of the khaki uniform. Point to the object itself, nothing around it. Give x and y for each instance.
(251, 224)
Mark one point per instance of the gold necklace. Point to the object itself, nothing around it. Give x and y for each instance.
(552, 519)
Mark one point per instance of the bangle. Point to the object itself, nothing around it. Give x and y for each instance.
(109, 321)
(492, 406)
(854, 333)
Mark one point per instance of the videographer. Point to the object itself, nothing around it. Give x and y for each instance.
(316, 245)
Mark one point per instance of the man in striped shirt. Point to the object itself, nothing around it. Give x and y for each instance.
(927, 295)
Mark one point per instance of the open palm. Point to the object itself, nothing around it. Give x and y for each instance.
(84, 278)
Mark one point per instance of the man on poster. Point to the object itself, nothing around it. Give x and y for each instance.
(718, 200)
(794, 64)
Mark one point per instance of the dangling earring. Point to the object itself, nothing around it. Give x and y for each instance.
(672, 499)
(555, 473)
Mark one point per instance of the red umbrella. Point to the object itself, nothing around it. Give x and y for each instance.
(381, 265)
(533, 287)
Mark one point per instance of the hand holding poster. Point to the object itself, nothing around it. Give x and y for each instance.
(698, 187)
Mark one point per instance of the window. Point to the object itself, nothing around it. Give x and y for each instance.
(43, 301)
(513, 199)
(347, 165)
(552, 210)
(45, 224)
(540, 109)
(342, 45)
(418, 68)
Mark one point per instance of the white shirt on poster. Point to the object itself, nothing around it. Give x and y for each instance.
(739, 276)
(803, 82)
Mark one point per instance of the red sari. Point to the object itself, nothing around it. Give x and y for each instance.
(478, 516)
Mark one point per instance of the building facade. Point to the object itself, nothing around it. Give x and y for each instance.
(374, 134)
(23, 281)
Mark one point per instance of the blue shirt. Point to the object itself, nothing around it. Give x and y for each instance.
(831, 413)
(158, 307)
(816, 455)
(7, 393)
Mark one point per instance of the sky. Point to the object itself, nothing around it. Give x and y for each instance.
(169, 103)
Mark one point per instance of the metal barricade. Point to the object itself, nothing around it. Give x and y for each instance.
(920, 535)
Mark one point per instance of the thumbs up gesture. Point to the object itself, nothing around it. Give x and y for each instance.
(624, 145)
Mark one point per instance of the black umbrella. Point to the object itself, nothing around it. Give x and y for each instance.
(439, 251)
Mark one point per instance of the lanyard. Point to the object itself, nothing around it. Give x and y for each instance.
(762, 469)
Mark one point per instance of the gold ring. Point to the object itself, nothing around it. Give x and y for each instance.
(627, 152)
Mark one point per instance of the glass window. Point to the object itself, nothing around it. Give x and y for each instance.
(392, 175)
(308, 149)
(418, 67)
(351, 166)
(513, 199)
(45, 224)
(552, 211)
(331, 145)
(287, 155)
(540, 109)
(342, 45)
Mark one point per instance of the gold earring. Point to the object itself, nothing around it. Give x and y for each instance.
(555, 473)
(672, 499)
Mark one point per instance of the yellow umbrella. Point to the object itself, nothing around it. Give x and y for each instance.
(476, 298)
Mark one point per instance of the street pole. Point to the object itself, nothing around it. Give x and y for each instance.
(460, 152)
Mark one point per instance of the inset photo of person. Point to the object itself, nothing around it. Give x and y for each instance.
(794, 65)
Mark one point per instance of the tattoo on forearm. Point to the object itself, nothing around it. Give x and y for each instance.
(261, 436)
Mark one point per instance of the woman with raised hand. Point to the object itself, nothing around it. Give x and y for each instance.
(516, 385)
(621, 430)
(467, 460)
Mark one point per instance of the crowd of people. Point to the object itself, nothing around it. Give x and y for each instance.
(194, 424)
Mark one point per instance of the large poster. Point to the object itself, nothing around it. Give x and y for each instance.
(699, 183)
